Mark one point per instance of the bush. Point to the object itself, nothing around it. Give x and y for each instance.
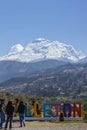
(85, 116)
(61, 116)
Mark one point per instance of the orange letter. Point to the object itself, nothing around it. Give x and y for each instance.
(35, 110)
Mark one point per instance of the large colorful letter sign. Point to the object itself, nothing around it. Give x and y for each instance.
(53, 110)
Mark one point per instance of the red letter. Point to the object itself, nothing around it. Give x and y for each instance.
(77, 109)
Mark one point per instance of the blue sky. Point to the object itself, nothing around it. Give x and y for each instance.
(22, 21)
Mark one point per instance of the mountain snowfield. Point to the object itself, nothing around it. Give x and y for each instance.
(43, 49)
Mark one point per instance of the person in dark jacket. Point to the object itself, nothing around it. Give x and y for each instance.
(2, 113)
(3, 107)
(9, 112)
(21, 109)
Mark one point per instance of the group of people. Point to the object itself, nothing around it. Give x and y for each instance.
(7, 112)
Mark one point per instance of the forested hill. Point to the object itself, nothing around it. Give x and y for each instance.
(67, 80)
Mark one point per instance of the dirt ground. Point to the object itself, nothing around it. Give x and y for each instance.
(36, 125)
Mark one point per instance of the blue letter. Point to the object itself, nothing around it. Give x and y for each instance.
(47, 111)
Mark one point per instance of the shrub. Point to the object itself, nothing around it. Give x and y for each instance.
(61, 116)
(85, 116)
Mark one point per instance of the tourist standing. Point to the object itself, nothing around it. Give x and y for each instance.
(15, 104)
(2, 113)
(3, 110)
(9, 113)
(21, 109)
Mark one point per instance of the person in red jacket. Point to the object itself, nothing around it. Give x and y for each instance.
(15, 104)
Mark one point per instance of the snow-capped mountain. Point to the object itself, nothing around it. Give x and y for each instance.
(16, 49)
(42, 49)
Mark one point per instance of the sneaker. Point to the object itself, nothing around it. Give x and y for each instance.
(20, 126)
(10, 128)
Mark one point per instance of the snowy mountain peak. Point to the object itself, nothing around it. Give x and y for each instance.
(16, 49)
(42, 49)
